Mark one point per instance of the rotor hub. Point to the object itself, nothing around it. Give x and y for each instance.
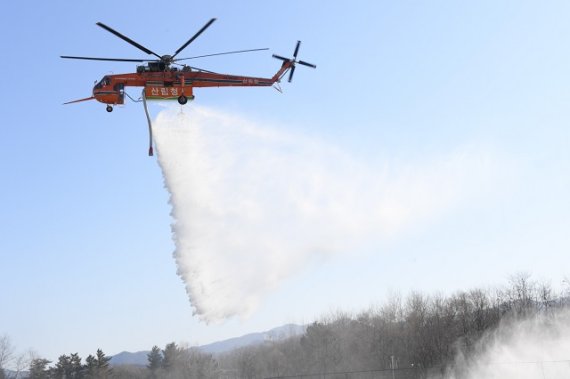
(166, 59)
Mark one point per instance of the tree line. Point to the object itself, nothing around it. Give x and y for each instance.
(419, 332)
(67, 366)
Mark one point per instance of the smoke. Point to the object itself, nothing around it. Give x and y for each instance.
(251, 204)
(538, 347)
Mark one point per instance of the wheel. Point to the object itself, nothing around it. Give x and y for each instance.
(109, 108)
(182, 99)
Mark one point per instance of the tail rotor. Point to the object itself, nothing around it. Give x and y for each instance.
(293, 61)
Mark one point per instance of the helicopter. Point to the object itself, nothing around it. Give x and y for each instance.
(163, 78)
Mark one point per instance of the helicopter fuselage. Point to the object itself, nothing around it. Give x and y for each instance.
(172, 83)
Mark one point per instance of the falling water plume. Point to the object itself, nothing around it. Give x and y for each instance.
(251, 204)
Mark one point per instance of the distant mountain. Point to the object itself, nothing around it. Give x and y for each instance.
(140, 357)
(127, 358)
(9, 374)
(276, 334)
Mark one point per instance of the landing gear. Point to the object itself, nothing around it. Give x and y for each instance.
(182, 100)
(109, 108)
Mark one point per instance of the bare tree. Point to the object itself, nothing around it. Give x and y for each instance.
(522, 293)
(393, 311)
(545, 297)
(322, 346)
(200, 365)
(480, 306)
(22, 361)
(248, 367)
(128, 372)
(565, 296)
(6, 351)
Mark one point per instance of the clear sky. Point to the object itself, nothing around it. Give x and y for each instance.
(464, 106)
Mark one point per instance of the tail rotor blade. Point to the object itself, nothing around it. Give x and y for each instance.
(281, 58)
(291, 73)
(307, 64)
(297, 49)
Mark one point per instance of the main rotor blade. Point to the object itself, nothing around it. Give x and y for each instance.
(297, 49)
(104, 59)
(127, 39)
(307, 64)
(194, 37)
(229, 52)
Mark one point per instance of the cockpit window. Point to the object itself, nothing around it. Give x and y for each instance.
(104, 82)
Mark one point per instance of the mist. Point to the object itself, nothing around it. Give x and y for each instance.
(253, 204)
(536, 347)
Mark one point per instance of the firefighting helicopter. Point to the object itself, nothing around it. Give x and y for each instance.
(163, 78)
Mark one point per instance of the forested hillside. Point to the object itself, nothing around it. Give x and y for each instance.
(416, 336)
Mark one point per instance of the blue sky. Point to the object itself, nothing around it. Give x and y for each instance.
(415, 88)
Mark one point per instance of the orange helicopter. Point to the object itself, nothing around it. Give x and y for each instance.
(162, 80)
